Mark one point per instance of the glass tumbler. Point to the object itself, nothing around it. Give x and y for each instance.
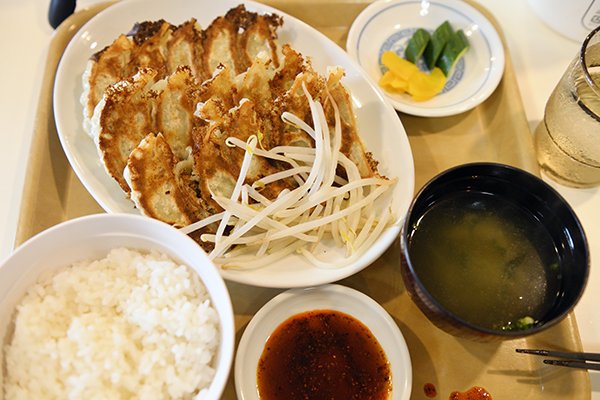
(567, 141)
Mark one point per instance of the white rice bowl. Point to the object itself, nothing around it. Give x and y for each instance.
(114, 306)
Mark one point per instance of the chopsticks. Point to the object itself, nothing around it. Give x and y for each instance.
(570, 359)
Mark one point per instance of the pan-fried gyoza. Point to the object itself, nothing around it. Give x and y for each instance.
(232, 40)
(189, 147)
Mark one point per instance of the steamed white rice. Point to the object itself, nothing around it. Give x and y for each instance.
(131, 325)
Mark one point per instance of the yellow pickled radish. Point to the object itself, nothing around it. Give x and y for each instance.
(423, 86)
(400, 67)
(392, 83)
(404, 76)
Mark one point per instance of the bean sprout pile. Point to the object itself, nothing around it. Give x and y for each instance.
(323, 204)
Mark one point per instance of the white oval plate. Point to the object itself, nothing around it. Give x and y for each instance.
(327, 297)
(389, 24)
(378, 123)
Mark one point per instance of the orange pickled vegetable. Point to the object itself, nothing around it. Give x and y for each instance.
(424, 86)
(400, 67)
(404, 76)
(391, 83)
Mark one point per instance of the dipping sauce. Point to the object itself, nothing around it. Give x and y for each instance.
(429, 389)
(487, 260)
(475, 393)
(323, 354)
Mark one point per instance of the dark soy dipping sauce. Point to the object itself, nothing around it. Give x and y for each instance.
(323, 354)
(487, 260)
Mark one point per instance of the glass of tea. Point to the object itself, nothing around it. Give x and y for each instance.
(567, 141)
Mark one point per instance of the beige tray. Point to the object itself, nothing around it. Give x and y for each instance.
(497, 130)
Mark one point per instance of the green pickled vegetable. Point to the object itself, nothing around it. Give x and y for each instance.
(455, 48)
(434, 48)
(416, 45)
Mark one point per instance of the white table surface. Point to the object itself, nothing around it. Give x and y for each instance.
(538, 53)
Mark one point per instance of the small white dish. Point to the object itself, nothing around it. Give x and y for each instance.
(378, 124)
(327, 297)
(389, 24)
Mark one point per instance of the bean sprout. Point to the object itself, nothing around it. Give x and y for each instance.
(296, 221)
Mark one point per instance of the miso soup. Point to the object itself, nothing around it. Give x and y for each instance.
(487, 260)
